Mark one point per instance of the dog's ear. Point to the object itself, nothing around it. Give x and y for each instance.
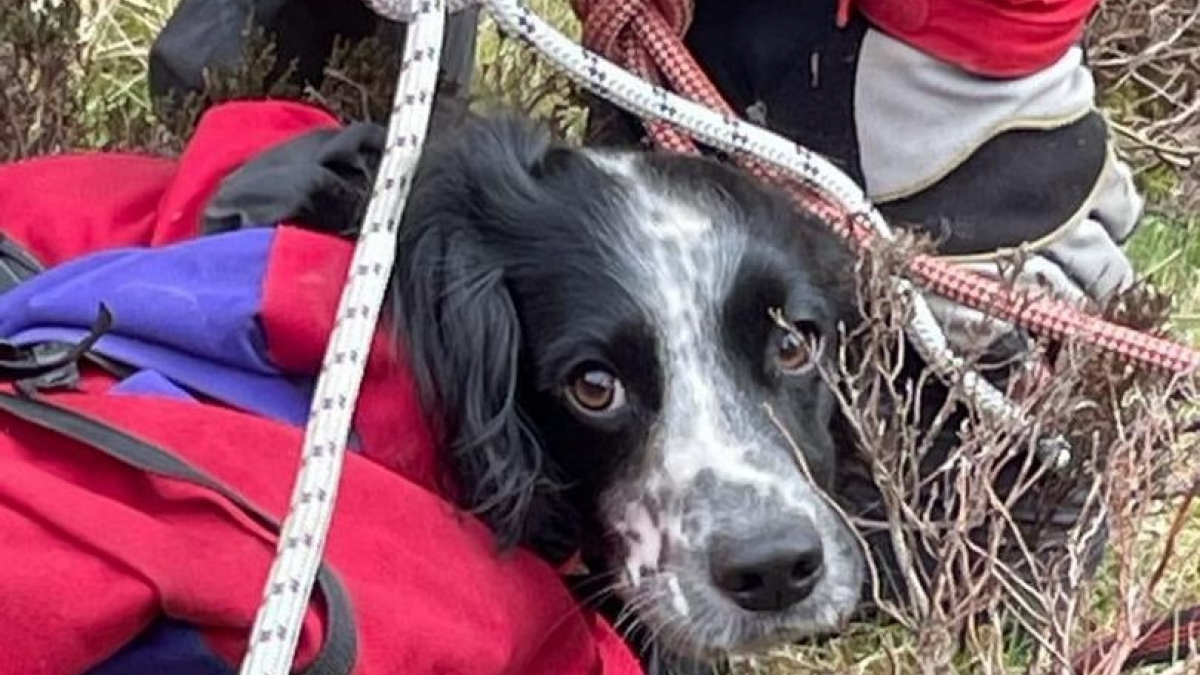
(457, 324)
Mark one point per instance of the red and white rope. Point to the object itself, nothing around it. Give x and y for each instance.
(639, 31)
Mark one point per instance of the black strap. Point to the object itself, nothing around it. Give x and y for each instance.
(16, 263)
(340, 650)
(50, 364)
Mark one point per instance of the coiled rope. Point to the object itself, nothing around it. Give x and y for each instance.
(653, 46)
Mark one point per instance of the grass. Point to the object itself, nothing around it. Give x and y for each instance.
(116, 35)
(1166, 251)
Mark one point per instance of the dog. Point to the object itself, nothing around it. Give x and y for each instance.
(619, 352)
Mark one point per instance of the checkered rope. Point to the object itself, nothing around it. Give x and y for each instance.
(655, 49)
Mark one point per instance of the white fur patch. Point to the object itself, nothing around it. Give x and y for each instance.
(678, 600)
(687, 265)
(645, 542)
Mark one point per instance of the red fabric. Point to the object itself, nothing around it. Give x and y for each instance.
(63, 207)
(230, 135)
(300, 298)
(993, 38)
(93, 550)
(100, 201)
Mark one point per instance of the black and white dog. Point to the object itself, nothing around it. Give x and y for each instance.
(620, 353)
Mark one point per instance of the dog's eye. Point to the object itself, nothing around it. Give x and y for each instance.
(596, 391)
(795, 350)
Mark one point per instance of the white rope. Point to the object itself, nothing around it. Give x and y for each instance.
(301, 547)
(285, 600)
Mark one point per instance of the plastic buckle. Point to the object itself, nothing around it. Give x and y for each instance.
(49, 365)
(38, 367)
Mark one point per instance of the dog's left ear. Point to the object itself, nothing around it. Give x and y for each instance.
(456, 321)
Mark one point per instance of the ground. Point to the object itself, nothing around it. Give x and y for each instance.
(115, 35)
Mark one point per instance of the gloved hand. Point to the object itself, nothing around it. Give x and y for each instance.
(321, 179)
(999, 149)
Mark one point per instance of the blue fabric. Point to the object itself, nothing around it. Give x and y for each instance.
(165, 648)
(186, 318)
(149, 383)
(189, 312)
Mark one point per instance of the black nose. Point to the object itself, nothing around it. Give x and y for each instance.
(771, 570)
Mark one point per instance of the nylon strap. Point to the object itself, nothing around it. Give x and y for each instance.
(340, 649)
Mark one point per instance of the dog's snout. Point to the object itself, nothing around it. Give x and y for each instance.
(771, 569)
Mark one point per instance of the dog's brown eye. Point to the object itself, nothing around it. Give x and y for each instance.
(597, 391)
(795, 351)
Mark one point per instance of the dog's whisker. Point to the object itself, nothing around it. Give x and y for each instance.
(629, 618)
(658, 628)
(673, 634)
(599, 595)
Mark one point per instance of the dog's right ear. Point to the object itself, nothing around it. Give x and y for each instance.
(454, 319)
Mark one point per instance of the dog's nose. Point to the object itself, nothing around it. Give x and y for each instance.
(771, 570)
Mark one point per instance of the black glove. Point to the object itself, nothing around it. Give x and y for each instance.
(321, 179)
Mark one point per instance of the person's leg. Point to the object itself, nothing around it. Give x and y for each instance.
(982, 163)
(203, 35)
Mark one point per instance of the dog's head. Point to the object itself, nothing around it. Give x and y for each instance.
(620, 354)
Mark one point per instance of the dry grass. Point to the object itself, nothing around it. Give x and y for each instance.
(1002, 597)
(1147, 58)
(72, 76)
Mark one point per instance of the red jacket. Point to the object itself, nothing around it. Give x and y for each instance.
(95, 551)
(993, 38)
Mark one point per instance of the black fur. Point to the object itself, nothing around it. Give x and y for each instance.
(457, 321)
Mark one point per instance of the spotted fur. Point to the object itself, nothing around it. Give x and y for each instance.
(522, 262)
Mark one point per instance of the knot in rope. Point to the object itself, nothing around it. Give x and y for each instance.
(645, 37)
(607, 24)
